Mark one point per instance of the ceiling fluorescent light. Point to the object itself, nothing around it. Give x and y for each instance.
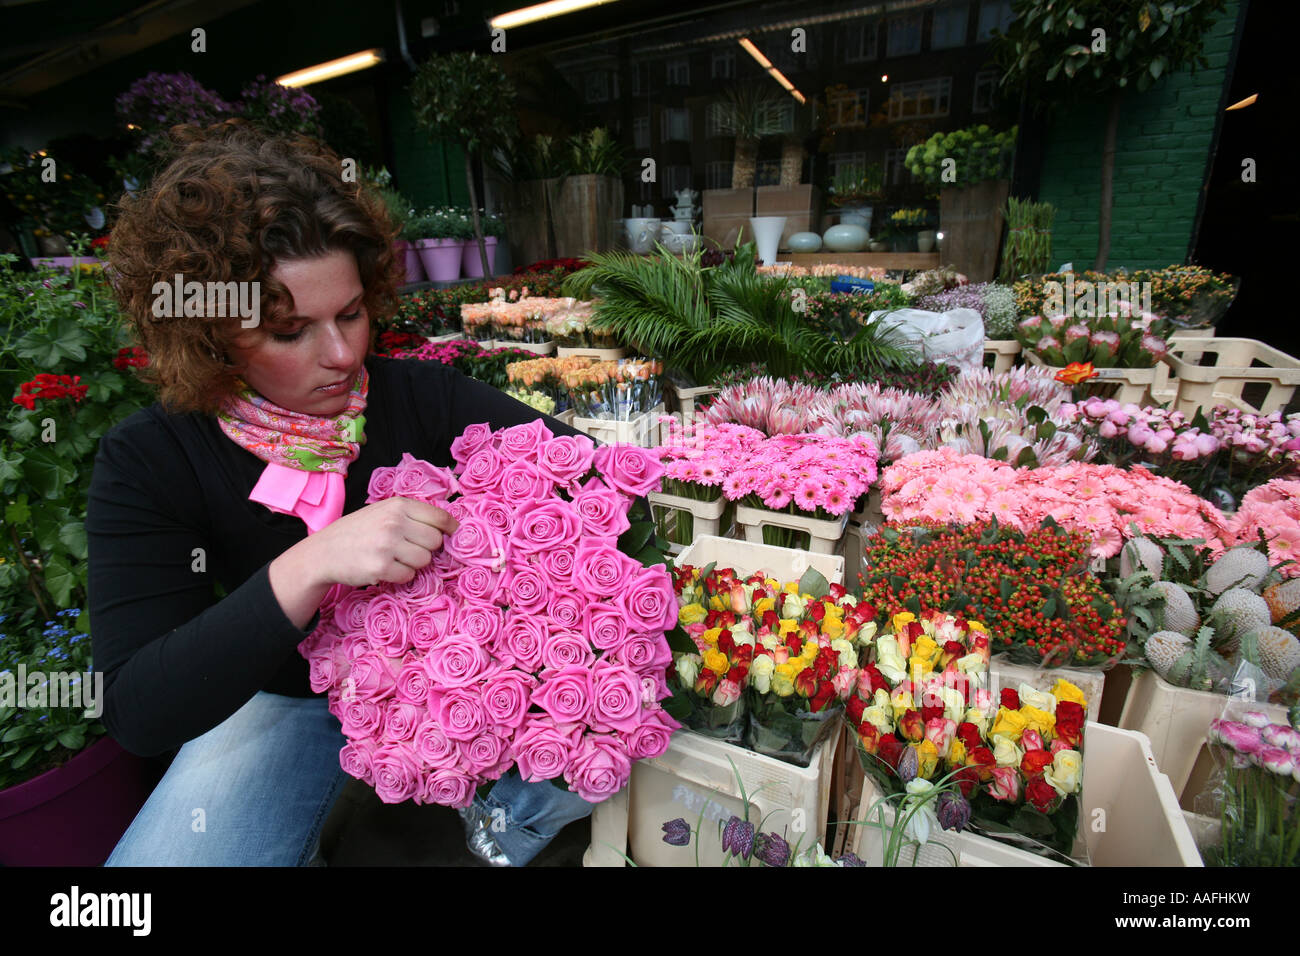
(542, 11)
(754, 51)
(772, 71)
(1242, 104)
(327, 71)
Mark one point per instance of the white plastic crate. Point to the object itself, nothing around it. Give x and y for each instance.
(784, 564)
(1177, 722)
(1002, 673)
(1222, 383)
(599, 355)
(687, 398)
(565, 416)
(1003, 353)
(539, 348)
(824, 536)
(643, 430)
(696, 776)
(1128, 815)
(707, 515)
(448, 337)
(1122, 384)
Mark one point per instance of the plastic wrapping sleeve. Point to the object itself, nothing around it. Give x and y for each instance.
(955, 337)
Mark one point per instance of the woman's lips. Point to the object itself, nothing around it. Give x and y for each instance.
(337, 388)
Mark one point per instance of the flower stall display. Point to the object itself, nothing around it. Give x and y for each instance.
(547, 375)
(696, 461)
(1104, 501)
(1031, 589)
(486, 365)
(823, 270)
(532, 640)
(569, 326)
(995, 303)
(615, 391)
(1272, 512)
(1255, 792)
(1124, 340)
(745, 845)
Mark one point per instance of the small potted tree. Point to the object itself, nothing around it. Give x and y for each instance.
(587, 202)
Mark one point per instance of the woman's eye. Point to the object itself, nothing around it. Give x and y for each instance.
(286, 336)
(354, 315)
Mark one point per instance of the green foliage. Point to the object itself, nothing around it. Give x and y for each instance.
(856, 184)
(1028, 249)
(979, 154)
(703, 321)
(58, 207)
(748, 111)
(466, 98)
(593, 153)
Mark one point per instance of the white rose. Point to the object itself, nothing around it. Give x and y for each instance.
(889, 659)
(848, 653)
(882, 718)
(1033, 697)
(688, 668)
(977, 717)
(974, 667)
(954, 703)
(793, 606)
(1066, 772)
(771, 641)
(881, 697)
(760, 673)
(866, 634)
(1005, 751)
(741, 635)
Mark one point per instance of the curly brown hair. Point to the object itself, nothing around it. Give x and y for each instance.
(231, 204)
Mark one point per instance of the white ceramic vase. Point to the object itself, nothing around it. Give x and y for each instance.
(767, 235)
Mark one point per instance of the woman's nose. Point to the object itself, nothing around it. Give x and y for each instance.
(337, 350)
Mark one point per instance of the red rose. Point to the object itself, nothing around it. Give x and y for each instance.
(969, 735)
(1035, 762)
(912, 726)
(891, 749)
(737, 674)
(870, 738)
(726, 644)
(771, 621)
(837, 591)
(875, 679)
(794, 644)
(951, 651)
(805, 682)
(744, 654)
(967, 778)
(1041, 794)
(825, 694)
(930, 711)
(706, 682)
(1069, 723)
(1010, 699)
(826, 664)
(982, 759)
(854, 708)
(817, 611)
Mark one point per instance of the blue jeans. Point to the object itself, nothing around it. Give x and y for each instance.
(257, 788)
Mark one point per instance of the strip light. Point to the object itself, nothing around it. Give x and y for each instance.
(542, 11)
(327, 71)
(1242, 104)
(776, 74)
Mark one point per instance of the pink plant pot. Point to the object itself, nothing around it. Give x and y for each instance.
(471, 263)
(74, 815)
(411, 257)
(441, 258)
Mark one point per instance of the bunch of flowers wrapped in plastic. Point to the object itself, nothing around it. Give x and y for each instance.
(1273, 511)
(571, 327)
(1256, 801)
(828, 270)
(995, 303)
(533, 399)
(1106, 341)
(617, 391)
(530, 640)
(546, 375)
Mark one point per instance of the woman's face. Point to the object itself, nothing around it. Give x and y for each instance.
(322, 344)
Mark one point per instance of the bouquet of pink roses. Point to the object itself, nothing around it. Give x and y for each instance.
(531, 639)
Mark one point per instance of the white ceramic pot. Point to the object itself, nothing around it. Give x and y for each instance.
(767, 236)
(856, 216)
(925, 240)
(805, 242)
(641, 234)
(845, 238)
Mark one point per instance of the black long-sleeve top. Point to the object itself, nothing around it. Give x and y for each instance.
(169, 515)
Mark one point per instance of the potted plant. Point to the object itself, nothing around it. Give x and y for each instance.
(853, 190)
(54, 211)
(494, 230)
(904, 225)
(971, 168)
(466, 98)
(445, 245)
(587, 202)
(403, 216)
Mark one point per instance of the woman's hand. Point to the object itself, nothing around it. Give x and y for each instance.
(390, 540)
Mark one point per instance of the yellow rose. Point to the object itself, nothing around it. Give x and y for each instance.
(716, 661)
(1066, 772)
(901, 700)
(782, 686)
(928, 756)
(1039, 720)
(927, 649)
(902, 619)
(1005, 751)
(956, 752)
(787, 670)
(1064, 690)
(791, 587)
(715, 603)
(977, 717)
(977, 626)
(788, 626)
(832, 627)
(1031, 696)
(763, 606)
(1009, 723)
(711, 635)
(691, 614)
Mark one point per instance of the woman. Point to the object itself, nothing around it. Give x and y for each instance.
(220, 519)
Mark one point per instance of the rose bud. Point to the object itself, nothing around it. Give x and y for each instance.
(930, 712)
(951, 651)
(891, 749)
(870, 738)
(706, 682)
(953, 811)
(1010, 699)
(739, 602)
(1031, 740)
(969, 735)
(726, 643)
(853, 709)
(912, 725)
(677, 832)
(1035, 762)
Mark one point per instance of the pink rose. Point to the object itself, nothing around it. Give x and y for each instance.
(641, 652)
(456, 661)
(726, 693)
(566, 459)
(423, 481)
(479, 583)
(557, 565)
(940, 731)
(350, 612)
(373, 676)
(605, 626)
(520, 642)
(386, 625)
(654, 687)
(434, 746)
(482, 472)
(1005, 784)
(603, 511)
(543, 749)
(615, 698)
(649, 600)
(499, 515)
(1031, 740)
(563, 649)
(565, 612)
(506, 697)
(459, 711)
(484, 755)
(542, 525)
(599, 768)
(356, 760)
(566, 695)
(629, 469)
(448, 788)
(524, 442)
(428, 624)
(600, 570)
(475, 542)
(472, 439)
(401, 719)
(521, 483)
(525, 589)
(652, 736)
(360, 718)
(413, 683)
(480, 622)
(426, 584)
(381, 484)
(321, 672)
(457, 509)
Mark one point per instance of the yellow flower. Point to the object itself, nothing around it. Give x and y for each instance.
(711, 636)
(1064, 690)
(977, 626)
(928, 756)
(832, 627)
(902, 619)
(791, 587)
(763, 606)
(782, 685)
(786, 670)
(926, 649)
(1039, 720)
(716, 661)
(691, 614)
(788, 626)
(715, 603)
(902, 701)
(956, 752)
(809, 652)
(1010, 724)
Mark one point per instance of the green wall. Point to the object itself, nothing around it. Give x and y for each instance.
(1161, 162)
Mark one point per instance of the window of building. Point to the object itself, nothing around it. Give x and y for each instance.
(896, 171)
(678, 72)
(640, 79)
(994, 15)
(904, 35)
(847, 107)
(858, 42)
(675, 125)
(596, 87)
(717, 175)
(948, 29)
(836, 162)
(641, 132)
(986, 91)
(723, 65)
(920, 99)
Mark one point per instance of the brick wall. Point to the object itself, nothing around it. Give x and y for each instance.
(1161, 157)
